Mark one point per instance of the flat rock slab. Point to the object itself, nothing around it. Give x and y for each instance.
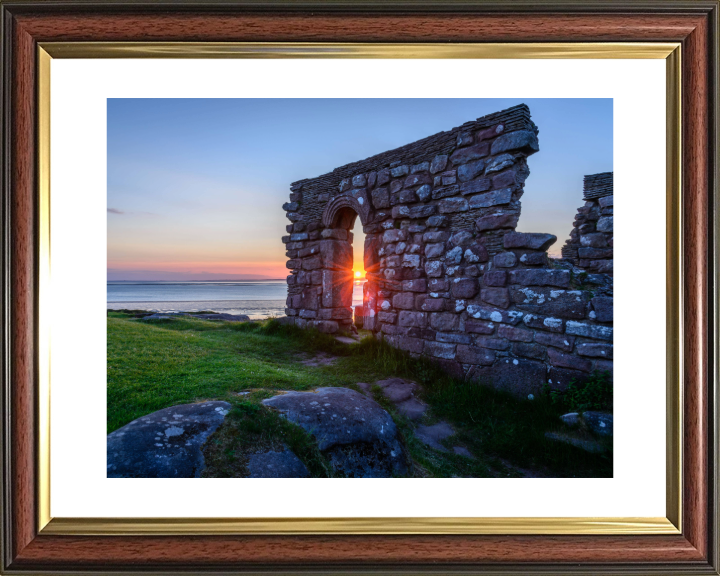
(412, 409)
(320, 359)
(226, 317)
(402, 394)
(433, 435)
(358, 436)
(347, 339)
(598, 423)
(579, 441)
(396, 389)
(165, 444)
(461, 451)
(273, 464)
(214, 316)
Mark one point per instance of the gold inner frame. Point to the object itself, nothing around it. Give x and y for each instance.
(671, 524)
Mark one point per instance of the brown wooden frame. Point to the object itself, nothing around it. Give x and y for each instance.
(694, 23)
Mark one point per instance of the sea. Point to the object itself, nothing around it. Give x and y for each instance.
(258, 299)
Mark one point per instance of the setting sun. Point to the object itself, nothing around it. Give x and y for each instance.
(358, 274)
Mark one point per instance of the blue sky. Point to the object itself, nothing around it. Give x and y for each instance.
(195, 186)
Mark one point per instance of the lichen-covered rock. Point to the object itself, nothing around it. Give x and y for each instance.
(165, 444)
(273, 464)
(359, 437)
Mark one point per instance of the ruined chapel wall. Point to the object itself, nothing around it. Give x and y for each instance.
(448, 278)
(590, 245)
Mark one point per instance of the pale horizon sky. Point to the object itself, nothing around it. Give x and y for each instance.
(196, 187)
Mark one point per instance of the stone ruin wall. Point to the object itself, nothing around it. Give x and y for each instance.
(447, 276)
(590, 245)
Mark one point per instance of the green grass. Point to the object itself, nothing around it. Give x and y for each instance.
(160, 363)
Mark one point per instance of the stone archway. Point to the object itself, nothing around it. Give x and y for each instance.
(336, 254)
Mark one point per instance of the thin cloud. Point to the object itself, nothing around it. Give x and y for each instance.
(116, 211)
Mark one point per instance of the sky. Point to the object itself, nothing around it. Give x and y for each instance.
(196, 186)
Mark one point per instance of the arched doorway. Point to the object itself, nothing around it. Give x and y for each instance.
(341, 262)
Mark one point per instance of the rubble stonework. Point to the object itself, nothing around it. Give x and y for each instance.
(590, 245)
(447, 275)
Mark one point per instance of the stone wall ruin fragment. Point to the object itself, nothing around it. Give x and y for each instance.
(448, 277)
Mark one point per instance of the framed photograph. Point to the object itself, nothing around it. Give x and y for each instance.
(326, 287)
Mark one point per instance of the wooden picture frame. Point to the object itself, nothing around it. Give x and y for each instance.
(33, 544)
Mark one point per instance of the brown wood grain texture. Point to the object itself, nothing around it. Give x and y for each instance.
(22, 292)
(30, 551)
(358, 28)
(696, 190)
(219, 551)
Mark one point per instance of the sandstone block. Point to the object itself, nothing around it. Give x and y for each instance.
(411, 260)
(337, 288)
(438, 221)
(589, 330)
(418, 285)
(543, 323)
(476, 327)
(452, 338)
(471, 153)
(495, 278)
(336, 254)
(422, 211)
(394, 235)
(494, 198)
(492, 343)
(499, 297)
(593, 253)
(530, 277)
(417, 180)
(464, 287)
(438, 164)
(515, 334)
(561, 341)
(474, 186)
(529, 350)
(383, 177)
(469, 171)
(505, 179)
(404, 301)
(424, 192)
(496, 222)
(434, 268)
(380, 198)
(594, 240)
(499, 163)
(408, 318)
(562, 360)
(398, 171)
(534, 259)
(605, 201)
(450, 205)
(596, 350)
(434, 250)
(336, 234)
(519, 140)
(605, 224)
(440, 350)
(531, 241)
(603, 307)
(312, 263)
(444, 321)
(505, 260)
(475, 355)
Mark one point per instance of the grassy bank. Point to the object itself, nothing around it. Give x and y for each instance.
(161, 363)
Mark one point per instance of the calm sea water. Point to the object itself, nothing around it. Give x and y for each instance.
(256, 299)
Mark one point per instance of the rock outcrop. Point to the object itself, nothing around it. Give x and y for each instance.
(165, 444)
(359, 438)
